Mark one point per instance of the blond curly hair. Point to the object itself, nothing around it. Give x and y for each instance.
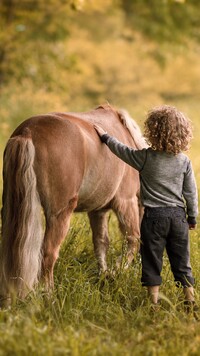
(167, 129)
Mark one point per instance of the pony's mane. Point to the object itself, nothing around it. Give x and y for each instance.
(129, 123)
(133, 128)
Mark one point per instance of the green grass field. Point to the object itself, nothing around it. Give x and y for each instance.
(88, 315)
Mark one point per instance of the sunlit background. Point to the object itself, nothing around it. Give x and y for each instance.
(72, 55)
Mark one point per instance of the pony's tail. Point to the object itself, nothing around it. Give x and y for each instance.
(20, 254)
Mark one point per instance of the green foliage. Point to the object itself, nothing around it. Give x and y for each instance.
(27, 27)
(34, 34)
(165, 20)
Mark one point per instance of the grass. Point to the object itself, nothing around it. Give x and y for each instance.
(88, 315)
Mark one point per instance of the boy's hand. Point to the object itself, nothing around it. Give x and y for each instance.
(192, 226)
(192, 222)
(99, 130)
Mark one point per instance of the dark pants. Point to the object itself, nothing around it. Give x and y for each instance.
(165, 228)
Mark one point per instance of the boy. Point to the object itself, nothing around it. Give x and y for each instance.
(168, 193)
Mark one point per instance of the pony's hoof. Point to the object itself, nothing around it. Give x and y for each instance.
(107, 275)
(5, 302)
(122, 265)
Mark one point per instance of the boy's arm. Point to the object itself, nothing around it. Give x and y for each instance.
(191, 196)
(135, 158)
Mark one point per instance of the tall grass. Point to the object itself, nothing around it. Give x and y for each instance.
(90, 315)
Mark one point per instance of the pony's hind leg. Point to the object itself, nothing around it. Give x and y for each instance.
(56, 230)
(57, 227)
(128, 215)
(99, 226)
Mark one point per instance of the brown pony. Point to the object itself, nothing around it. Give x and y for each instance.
(56, 161)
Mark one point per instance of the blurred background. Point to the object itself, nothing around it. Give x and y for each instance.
(72, 55)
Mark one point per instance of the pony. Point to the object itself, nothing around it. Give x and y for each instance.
(56, 163)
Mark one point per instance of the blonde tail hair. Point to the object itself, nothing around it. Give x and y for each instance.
(20, 263)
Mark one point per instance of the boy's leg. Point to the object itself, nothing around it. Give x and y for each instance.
(189, 294)
(153, 293)
(190, 305)
(178, 250)
(153, 241)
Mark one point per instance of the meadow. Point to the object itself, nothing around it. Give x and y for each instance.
(72, 63)
(88, 315)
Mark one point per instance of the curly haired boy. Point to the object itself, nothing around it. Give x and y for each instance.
(168, 194)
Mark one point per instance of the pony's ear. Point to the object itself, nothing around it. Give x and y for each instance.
(105, 106)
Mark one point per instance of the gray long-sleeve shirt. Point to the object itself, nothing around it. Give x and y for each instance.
(166, 179)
